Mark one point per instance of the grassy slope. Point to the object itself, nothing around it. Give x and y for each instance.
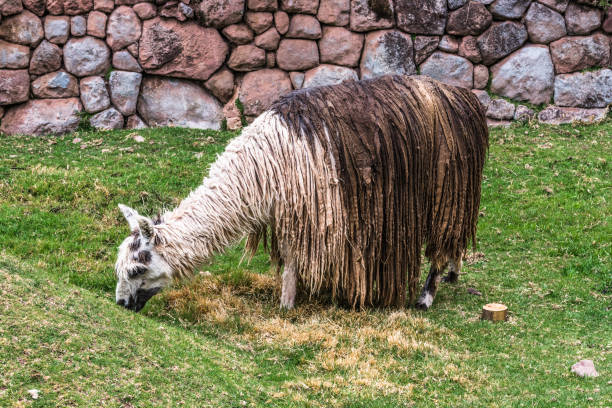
(544, 232)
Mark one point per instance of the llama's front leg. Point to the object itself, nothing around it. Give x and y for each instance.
(454, 267)
(289, 287)
(430, 288)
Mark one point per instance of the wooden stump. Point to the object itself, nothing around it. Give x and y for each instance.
(495, 312)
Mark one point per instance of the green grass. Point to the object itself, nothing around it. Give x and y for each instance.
(221, 341)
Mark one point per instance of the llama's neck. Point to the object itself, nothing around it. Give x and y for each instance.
(234, 200)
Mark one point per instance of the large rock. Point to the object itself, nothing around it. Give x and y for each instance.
(55, 85)
(105, 6)
(14, 86)
(134, 122)
(363, 18)
(145, 11)
(94, 94)
(450, 69)
(297, 55)
(178, 102)
(500, 109)
(123, 28)
(421, 16)
(46, 57)
(35, 6)
(297, 79)
(555, 115)
(42, 117)
(86, 56)
(481, 76)
(581, 19)
(24, 28)
(259, 21)
(14, 56)
(183, 50)
(262, 5)
(468, 48)
(124, 61)
(220, 13)
(500, 40)
(259, 89)
(281, 22)
(128, 2)
(55, 7)
(10, 7)
(268, 40)
(78, 26)
(471, 19)
(96, 24)
(340, 46)
(387, 52)
(247, 58)
(526, 75)
(328, 75)
(57, 29)
(238, 34)
(571, 54)
(76, 7)
(523, 113)
(424, 46)
(109, 119)
(509, 8)
(176, 10)
(334, 12)
(221, 84)
(607, 24)
(544, 24)
(455, 4)
(557, 5)
(124, 87)
(584, 89)
(300, 6)
(270, 60)
(304, 26)
(449, 43)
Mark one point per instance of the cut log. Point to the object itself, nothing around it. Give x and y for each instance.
(495, 312)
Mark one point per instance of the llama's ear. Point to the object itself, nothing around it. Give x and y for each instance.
(146, 227)
(130, 215)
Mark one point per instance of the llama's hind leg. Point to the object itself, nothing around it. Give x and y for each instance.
(431, 287)
(289, 287)
(454, 267)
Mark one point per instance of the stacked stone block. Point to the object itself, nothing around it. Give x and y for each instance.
(133, 63)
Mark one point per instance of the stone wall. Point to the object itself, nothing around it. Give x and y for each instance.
(132, 63)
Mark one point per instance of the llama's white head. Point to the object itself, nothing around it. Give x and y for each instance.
(141, 271)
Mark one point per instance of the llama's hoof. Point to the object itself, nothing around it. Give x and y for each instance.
(424, 302)
(286, 306)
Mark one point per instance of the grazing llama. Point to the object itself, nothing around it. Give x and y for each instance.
(344, 184)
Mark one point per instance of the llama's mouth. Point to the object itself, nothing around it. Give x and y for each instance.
(136, 303)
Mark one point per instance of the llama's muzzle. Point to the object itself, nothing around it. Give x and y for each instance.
(135, 303)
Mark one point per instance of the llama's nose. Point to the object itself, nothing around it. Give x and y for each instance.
(122, 302)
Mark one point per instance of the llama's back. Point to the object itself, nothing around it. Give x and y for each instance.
(391, 164)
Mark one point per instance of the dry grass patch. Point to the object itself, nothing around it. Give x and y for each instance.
(358, 353)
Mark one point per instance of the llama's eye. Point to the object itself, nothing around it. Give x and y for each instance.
(144, 257)
(136, 271)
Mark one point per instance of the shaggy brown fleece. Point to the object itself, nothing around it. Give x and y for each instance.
(409, 154)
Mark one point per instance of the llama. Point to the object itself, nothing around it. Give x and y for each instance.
(343, 184)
